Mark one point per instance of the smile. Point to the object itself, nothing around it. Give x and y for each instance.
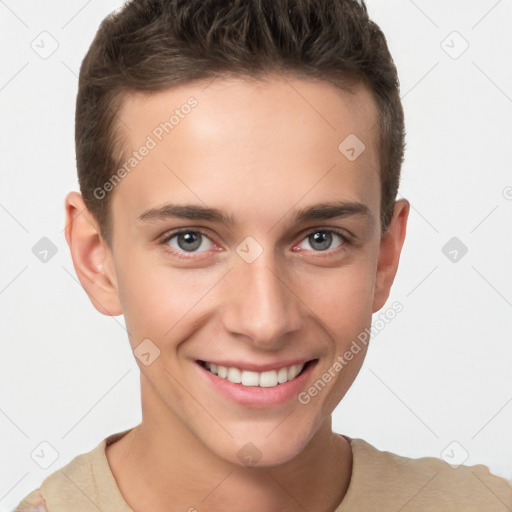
(267, 379)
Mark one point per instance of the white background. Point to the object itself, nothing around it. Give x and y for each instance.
(439, 372)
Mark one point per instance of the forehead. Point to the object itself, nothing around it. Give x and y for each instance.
(245, 143)
(264, 103)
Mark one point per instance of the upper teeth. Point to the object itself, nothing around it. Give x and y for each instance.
(262, 379)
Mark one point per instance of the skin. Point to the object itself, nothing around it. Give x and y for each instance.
(257, 151)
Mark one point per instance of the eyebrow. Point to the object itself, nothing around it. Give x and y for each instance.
(321, 211)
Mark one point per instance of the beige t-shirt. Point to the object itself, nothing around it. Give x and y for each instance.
(381, 481)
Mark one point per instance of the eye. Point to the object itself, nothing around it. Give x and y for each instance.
(322, 239)
(186, 241)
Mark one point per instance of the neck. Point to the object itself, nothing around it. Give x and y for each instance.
(161, 462)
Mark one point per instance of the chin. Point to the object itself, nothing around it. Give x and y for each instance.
(261, 449)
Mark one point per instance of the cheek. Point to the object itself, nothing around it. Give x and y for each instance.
(341, 300)
(340, 297)
(156, 299)
(159, 300)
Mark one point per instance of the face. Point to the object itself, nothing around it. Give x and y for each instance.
(247, 247)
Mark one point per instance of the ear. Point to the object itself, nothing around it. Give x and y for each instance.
(389, 253)
(91, 256)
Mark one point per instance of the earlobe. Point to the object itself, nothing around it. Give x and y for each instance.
(389, 253)
(91, 256)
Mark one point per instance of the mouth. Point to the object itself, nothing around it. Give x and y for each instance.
(267, 379)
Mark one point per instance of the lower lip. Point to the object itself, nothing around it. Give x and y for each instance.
(256, 396)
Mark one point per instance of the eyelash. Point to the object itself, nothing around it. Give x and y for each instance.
(186, 256)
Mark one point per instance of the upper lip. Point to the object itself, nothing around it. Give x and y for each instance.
(252, 367)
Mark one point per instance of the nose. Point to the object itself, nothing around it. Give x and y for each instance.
(259, 303)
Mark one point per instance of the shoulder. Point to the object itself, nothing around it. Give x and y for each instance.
(84, 484)
(426, 483)
(33, 502)
(60, 487)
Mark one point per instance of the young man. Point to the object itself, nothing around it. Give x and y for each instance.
(238, 164)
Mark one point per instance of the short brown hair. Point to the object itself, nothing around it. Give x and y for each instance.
(151, 45)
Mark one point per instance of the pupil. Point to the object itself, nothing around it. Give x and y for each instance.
(192, 240)
(323, 238)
